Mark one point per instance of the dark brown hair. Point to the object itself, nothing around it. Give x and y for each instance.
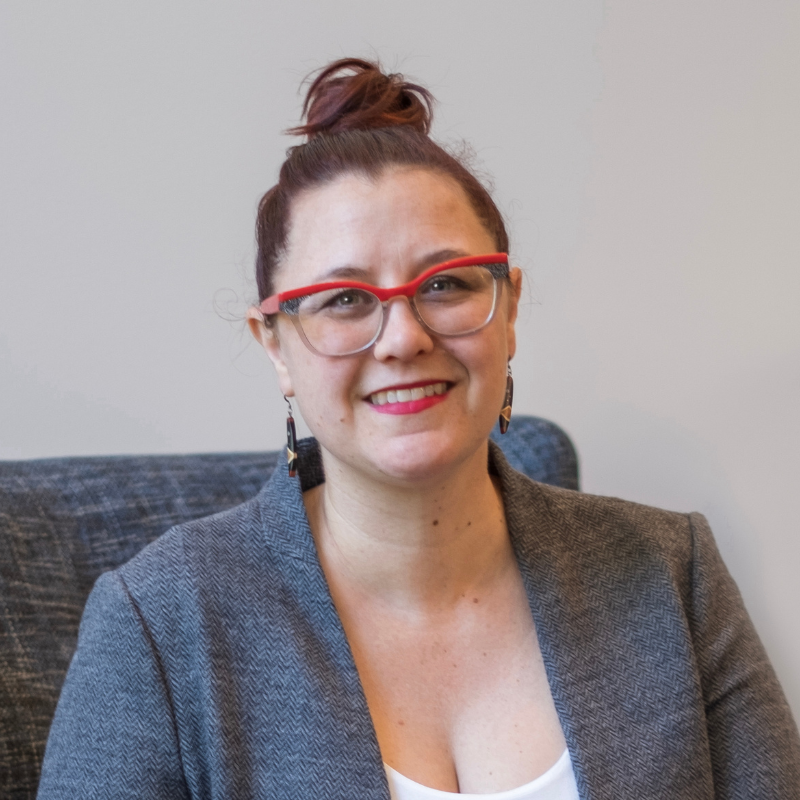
(359, 120)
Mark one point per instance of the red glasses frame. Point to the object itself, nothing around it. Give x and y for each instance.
(271, 305)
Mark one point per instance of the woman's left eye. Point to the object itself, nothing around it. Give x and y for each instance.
(440, 283)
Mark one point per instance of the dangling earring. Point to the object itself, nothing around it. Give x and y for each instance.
(291, 441)
(505, 414)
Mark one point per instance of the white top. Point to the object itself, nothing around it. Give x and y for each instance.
(558, 783)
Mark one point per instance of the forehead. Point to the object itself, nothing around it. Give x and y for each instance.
(382, 226)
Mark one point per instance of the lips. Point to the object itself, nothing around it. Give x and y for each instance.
(407, 394)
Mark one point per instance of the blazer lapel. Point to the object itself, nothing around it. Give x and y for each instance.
(613, 637)
(335, 734)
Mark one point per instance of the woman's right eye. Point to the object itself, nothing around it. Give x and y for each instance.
(346, 299)
(340, 302)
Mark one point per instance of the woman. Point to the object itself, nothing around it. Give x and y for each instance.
(409, 612)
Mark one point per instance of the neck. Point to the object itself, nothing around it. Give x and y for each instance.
(410, 547)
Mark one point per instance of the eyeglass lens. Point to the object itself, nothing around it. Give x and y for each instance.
(453, 302)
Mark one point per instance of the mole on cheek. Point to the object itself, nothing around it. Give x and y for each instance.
(436, 522)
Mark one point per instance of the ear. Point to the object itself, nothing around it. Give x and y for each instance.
(267, 336)
(515, 277)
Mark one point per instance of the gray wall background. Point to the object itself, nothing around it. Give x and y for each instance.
(646, 155)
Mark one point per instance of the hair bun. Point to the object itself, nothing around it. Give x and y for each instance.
(361, 98)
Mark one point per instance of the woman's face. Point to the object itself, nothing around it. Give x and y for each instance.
(386, 232)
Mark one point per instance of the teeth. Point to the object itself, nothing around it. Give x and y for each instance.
(405, 395)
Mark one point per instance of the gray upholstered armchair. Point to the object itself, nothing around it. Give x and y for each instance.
(65, 521)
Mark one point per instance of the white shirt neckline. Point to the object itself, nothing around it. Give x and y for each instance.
(558, 783)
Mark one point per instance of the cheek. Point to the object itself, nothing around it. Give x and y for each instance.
(325, 388)
(492, 364)
(485, 362)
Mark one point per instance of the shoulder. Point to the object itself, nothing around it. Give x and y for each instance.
(247, 546)
(605, 542)
(168, 560)
(571, 517)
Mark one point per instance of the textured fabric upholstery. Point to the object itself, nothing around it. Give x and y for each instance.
(63, 522)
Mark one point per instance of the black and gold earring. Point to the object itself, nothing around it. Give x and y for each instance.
(505, 414)
(291, 441)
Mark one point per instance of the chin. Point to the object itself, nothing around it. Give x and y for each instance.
(423, 457)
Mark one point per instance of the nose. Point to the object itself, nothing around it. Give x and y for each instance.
(402, 335)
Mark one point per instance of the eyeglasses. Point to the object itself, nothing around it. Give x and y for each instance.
(341, 318)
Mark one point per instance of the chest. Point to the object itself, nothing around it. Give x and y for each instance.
(459, 701)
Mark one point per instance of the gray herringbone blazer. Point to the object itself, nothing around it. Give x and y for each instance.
(214, 665)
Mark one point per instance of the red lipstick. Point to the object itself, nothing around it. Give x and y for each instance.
(399, 399)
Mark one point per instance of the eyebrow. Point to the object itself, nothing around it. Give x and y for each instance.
(360, 273)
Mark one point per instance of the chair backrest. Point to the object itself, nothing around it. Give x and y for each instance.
(65, 521)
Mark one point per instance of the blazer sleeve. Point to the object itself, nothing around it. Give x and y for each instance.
(754, 742)
(114, 732)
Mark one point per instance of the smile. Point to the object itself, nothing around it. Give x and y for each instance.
(392, 396)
